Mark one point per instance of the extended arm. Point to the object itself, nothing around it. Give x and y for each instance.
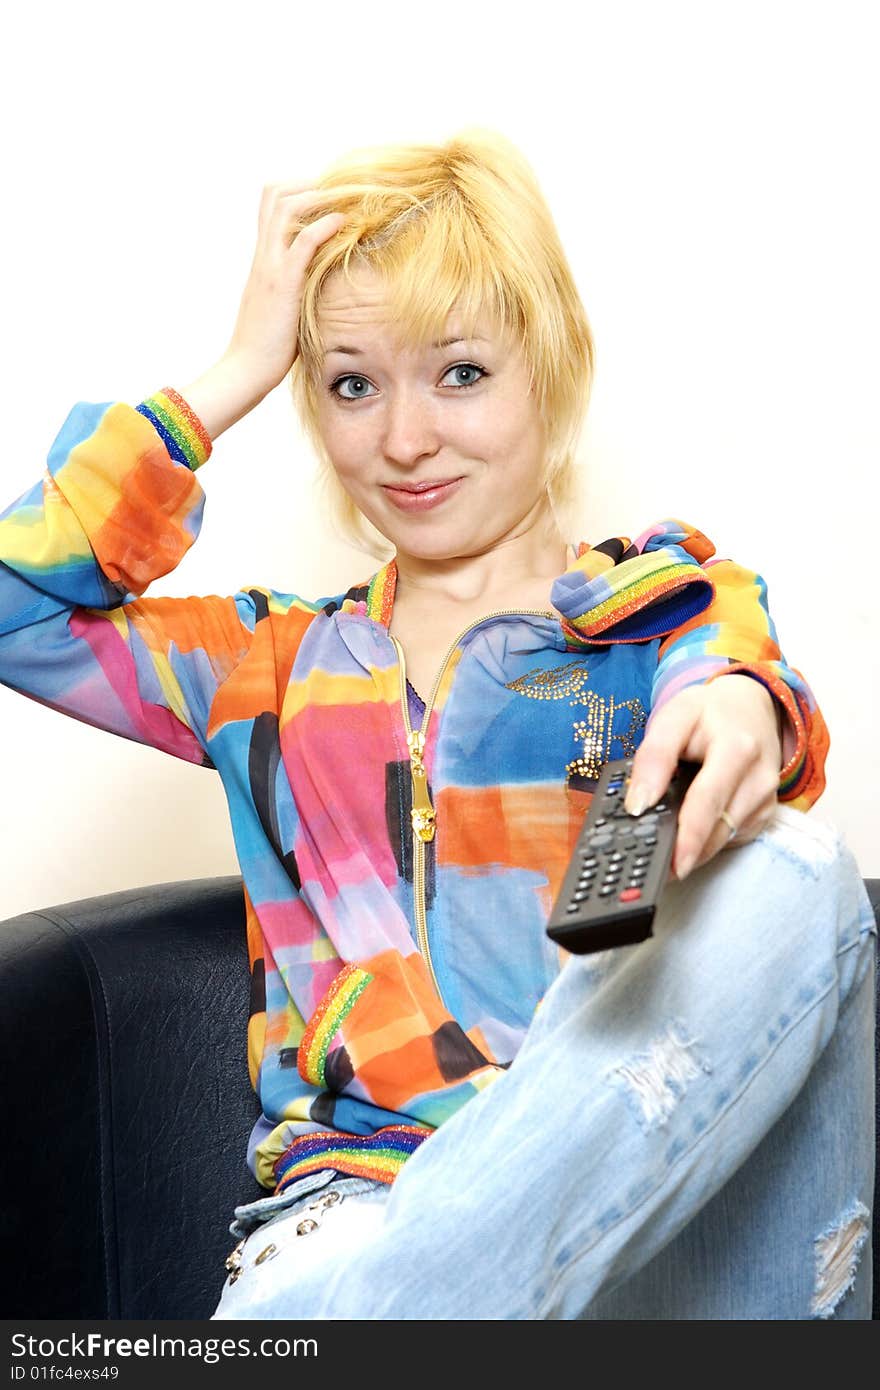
(760, 736)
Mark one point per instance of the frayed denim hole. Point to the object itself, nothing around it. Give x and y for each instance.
(837, 1252)
(653, 1082)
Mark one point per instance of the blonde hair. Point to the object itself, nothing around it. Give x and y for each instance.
(463, 224)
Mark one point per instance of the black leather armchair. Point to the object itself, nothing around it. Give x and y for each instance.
(123, 1145)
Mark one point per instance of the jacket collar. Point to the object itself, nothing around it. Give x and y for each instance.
(618, 591)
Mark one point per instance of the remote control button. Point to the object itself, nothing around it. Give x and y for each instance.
(609, 888)
(630, 842)
(650, 839)
(641, 859)
(600, 820)
(630, 895)
(589, 859)
(602, 840)
(616, 857)
(572, 907)
(579, 896)
(645, 832)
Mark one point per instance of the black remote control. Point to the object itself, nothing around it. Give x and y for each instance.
(619, 866)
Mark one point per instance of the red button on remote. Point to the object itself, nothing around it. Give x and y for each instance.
(629, 894)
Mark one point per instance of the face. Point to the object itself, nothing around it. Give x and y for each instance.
(460, 414)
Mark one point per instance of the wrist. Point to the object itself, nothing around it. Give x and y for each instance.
(224, 394)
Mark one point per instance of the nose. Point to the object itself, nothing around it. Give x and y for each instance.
(410, 427)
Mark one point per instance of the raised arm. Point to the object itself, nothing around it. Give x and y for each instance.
(119, 504)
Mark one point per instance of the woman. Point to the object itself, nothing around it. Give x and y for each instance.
(457, 1120)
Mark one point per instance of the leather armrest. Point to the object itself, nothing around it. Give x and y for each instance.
(127, 1105)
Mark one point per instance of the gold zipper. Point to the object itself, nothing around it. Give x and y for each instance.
(422, 813)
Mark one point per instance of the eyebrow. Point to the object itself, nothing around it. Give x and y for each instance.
(446, 342)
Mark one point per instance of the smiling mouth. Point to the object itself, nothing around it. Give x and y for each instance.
(420, 487)
(424, 497)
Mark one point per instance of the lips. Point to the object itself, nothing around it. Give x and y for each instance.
(424, 496)
(420, 487)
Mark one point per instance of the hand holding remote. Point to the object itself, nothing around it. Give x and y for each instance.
(620, 865)
(731, 727)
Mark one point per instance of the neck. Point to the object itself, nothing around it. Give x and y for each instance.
(533, 551)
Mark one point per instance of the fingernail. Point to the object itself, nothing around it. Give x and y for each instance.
(684, 866)
(637, 798)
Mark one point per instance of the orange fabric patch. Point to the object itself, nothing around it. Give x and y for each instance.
(530, 827)
(393, 1078)
(272, 648)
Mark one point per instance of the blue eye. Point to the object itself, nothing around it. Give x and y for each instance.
(457, 386)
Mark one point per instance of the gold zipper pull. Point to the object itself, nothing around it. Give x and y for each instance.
(422, 812)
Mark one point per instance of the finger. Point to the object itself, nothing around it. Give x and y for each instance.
(280, 201)
(729, 762)
(750, 827)
(720, 839)
(667, 735)
(287, 188)
(313, 233)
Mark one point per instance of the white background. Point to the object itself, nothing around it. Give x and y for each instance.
(713, 172)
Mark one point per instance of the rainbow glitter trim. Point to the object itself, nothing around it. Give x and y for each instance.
(380, 594)
(182, 432)
(333, 1008)
(642, 593)
(380, 1155)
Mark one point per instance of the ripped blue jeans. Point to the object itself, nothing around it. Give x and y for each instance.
(686, 1132)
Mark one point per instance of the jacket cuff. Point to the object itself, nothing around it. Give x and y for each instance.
(607, 598)
(181, 430)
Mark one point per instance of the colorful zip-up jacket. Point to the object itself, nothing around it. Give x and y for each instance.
(398, 875)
